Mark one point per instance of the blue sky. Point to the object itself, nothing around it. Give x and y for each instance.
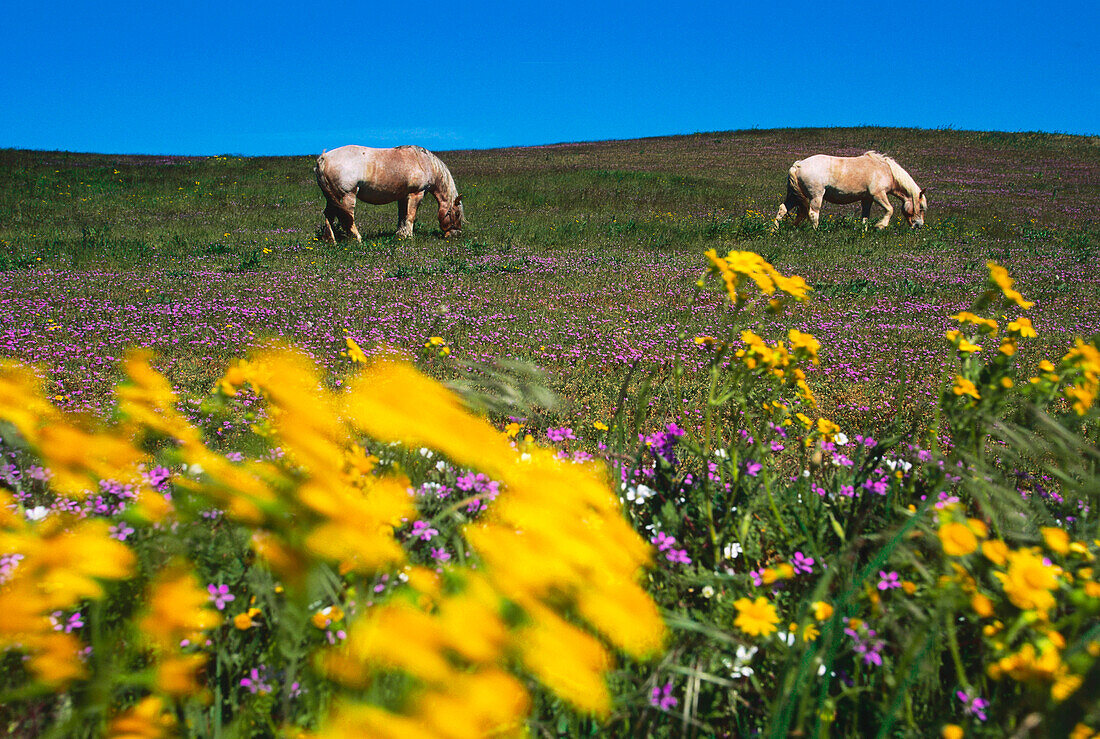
(295, 78)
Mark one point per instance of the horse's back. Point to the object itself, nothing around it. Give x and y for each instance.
(377, 173)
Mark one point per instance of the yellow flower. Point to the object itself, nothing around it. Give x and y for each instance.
(1057, 540)
(982, 605)
(952, 731)
(964, 386)
(996, 551)
(805, 342)
(810, 633)
(986, 325)
(827, 428)
(1008, 347)
(179, 675)
(354, 353)
(822, 610)
(957, 539)
(999, 276)
(322, 618)
(1083, 731)
(512, 430)
(756, 618)
(599, 426)
(149, 719)
(1023, 327)
(178, 609)
(1029, 581)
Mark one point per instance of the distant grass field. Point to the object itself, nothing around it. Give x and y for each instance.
(578, 258)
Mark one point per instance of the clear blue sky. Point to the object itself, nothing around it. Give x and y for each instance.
(294, 78)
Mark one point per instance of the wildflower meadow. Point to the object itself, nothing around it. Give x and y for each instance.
(620, 460)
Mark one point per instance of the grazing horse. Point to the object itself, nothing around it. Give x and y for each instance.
(379, 176)
(869, 178)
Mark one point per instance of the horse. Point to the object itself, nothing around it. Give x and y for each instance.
(380, 176)
(868, 178)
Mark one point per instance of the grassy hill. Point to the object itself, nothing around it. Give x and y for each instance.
(580, 258)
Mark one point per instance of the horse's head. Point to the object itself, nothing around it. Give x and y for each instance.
(451, 217)
(915, 209)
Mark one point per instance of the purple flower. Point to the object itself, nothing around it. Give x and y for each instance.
(255, 682)
(423, 530)
(661, 697)
(866, 645)
(559, 435)
(678, 555)
(120, 531)
(752, 468)
(75, 621)
(440, 554)
(802, 563)
(757, 577)
(973, 706)
(663, 541)
(220, 595)
(888, 580)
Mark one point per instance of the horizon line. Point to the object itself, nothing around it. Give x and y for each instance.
(582, 142)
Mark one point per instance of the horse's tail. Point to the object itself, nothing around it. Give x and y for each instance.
(794, 182)
(324, 181)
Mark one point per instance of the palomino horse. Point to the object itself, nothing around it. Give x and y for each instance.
(379, 176)
(868, 178)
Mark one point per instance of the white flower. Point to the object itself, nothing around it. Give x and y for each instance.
(805, 473)
(739, 667)
(37, 513)
(841, 438)
(732, 550)
(895, 464)
(639, 494)
(441, 465)
(721, 454)
(708, 591)
(426, 452)
(785, 637)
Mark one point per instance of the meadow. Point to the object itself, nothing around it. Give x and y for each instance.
(573, 312)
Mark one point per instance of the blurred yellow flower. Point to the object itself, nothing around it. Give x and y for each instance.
(958, 540)
(822, 610)
(1029, 581)
(964, 386)
(998, 275)
(1057, 540)
(756, 618)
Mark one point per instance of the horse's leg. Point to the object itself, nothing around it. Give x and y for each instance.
(346, 212)
(866, 202)
(789, 205)
(331, 211)
(815, 209)
(779, 215)
(407, 213)
(803, 210)
(404, 225)
(882, 199)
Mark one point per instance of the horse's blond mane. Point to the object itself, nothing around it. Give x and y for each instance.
(441, 174)
(903, 179)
